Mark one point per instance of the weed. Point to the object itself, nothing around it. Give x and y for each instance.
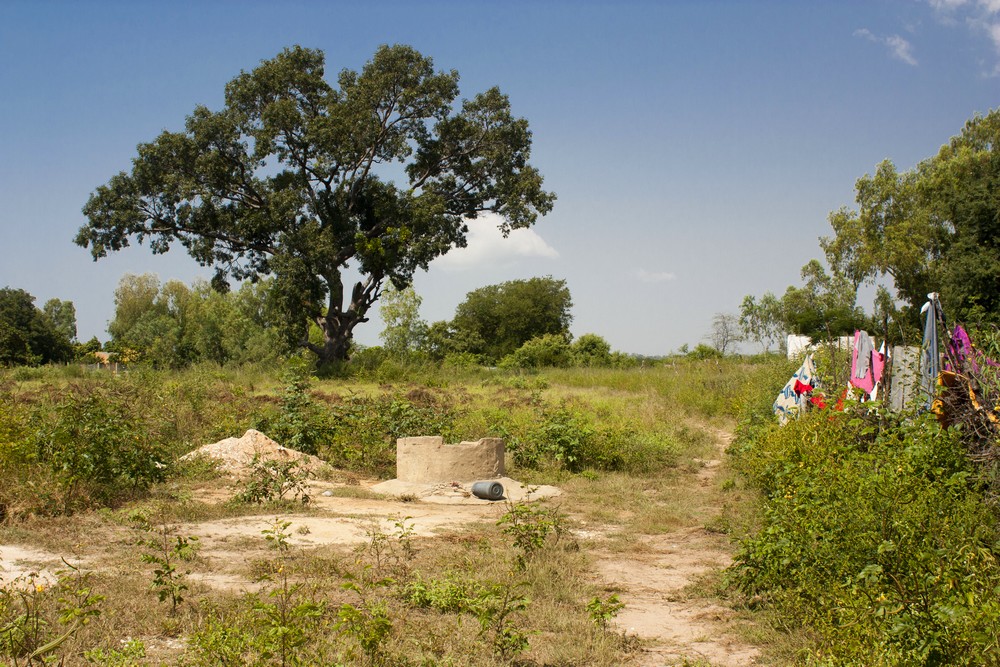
(494, 608)
(270, 481)
(529, 527)
(131, 651)
(166, 550)
(30, 610)
(603, 611)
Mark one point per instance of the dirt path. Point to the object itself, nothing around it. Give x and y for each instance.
(677, 628)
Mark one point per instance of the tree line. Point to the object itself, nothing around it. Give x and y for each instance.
(170, 325)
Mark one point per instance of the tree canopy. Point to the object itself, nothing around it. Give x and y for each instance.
(294, 178)
(496, 320)
(933, 228)
(27, 335)
(172, 325)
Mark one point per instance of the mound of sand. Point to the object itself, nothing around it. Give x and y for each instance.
(235, 456)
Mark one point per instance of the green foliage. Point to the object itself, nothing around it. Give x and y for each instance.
(300, 424)
(495, 608)
(37, 619)
(529, 527)
(604, 611)
(295, 178)
(590, 350)
(762, 320)
(30, 337)
(496, 320)
(548, 351)
(97, 448)
(932, 228)
(130, 653)
(271, 481)
(404, 331)
(174, 326)
(164, 551)
(363, 430)
(701, 352)
(874, 536)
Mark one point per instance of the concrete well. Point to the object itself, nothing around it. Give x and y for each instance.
(427, 460)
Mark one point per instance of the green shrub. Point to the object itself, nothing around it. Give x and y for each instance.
(97, 448)
(363, 430)
(874, 536)
(548, 351)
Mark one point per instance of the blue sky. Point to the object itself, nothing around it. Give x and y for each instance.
(696, 147)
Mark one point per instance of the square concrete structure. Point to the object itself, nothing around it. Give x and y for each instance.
(428, 460)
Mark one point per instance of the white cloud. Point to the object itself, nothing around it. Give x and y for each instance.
(653, 277)
(487, 246)
(947, 5)
(978, 16)
(899, 48)
(990, 6)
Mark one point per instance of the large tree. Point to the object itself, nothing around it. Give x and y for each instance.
(935, 227)
(296, 178)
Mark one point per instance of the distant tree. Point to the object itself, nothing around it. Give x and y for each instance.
(295, 178)
(62, 315)
(546, 351)
(703, 352)
(404, 331)
(825, 306)
(934, 228)
(726, 332)
(85, 351)
(173, 325)
(761, 321)
(496, 320)
(27, 336)
(439, 340)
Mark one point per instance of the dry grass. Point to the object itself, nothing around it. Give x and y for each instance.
(609, 512)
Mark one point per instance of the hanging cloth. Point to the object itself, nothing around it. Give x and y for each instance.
(866, 364)
(930, 357)
(794, 396)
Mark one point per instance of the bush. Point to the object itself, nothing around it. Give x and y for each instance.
(548, 351)
(97, 449)
(874, 536)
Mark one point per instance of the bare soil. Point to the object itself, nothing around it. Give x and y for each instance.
(655, 579)
(675, 626)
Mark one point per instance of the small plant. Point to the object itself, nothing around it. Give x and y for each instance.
(277, 535)
(390, 552)
(369, 623)
(603, 611)
(284, 618)
(27, 607)
(494, 608)
(131, 651)
(273, 480)
(529, 527)
(165, 550)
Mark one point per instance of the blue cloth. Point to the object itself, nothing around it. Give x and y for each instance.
(930, 355)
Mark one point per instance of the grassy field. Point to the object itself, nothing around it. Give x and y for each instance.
(126, 565)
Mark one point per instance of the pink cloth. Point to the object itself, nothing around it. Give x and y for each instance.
(876, 365)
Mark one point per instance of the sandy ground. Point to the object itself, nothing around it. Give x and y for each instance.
(674, 627)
